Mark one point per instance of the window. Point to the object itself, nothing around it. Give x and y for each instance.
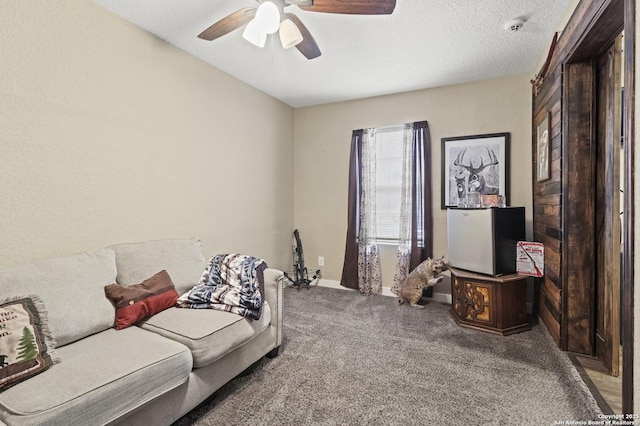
(394, 163)
(389, 168)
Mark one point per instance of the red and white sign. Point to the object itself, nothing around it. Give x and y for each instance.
(530, 258)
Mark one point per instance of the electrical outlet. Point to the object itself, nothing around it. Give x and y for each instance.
(320, 260)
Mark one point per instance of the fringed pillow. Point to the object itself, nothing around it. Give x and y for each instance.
(26, 345)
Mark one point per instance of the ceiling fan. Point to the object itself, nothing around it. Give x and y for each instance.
(269, 17)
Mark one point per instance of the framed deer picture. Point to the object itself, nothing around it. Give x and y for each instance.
(473, 166)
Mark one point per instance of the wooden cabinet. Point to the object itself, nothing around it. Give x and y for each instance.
(493, 304)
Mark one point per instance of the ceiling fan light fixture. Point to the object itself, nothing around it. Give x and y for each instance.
(254, 34)
(290, 35)
(268, 17)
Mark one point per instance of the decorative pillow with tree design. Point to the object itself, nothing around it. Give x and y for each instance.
(26, 346)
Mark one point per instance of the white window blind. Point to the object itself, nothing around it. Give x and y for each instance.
(388, 182)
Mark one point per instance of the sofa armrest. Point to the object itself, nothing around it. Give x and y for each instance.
(273, 287)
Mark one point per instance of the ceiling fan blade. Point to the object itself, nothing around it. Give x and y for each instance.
(353, 7)
(228, 23)
(308, 46)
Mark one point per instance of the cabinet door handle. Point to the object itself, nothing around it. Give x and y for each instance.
(464, 300)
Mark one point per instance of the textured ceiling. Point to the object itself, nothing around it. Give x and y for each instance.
(423, 44)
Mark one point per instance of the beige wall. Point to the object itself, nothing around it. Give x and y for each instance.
(109, 135)
(322, 141)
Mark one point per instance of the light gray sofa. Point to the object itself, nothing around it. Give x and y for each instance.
(148, 374)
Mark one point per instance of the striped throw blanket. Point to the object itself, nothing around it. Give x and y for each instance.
(230, 282)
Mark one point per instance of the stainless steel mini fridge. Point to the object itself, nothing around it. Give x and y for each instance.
(484, 240)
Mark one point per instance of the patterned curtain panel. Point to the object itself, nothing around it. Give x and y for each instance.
(404, 239)
(369, 270)
(415, 242)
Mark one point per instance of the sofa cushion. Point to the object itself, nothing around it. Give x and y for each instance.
(136, 302)
(26, 347)
(72, 289)
(100, 378)
(182, 259)
(208, 333)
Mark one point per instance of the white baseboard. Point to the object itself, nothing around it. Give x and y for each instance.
(386, 291)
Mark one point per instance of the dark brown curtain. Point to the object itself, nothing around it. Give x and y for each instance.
(421, 211)
(350, 268)
(422, 206)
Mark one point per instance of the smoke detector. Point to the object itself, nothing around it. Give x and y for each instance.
(514, 25)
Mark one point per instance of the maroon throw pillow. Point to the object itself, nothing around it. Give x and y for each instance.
(141, 301)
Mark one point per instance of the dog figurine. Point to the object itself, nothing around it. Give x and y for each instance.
(425, 275)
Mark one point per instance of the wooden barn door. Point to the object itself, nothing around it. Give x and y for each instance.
(580, 85)
(607, 208)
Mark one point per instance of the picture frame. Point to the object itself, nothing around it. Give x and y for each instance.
(476, 165)
(543, 149)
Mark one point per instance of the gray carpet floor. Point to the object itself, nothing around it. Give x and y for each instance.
(350, 359)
